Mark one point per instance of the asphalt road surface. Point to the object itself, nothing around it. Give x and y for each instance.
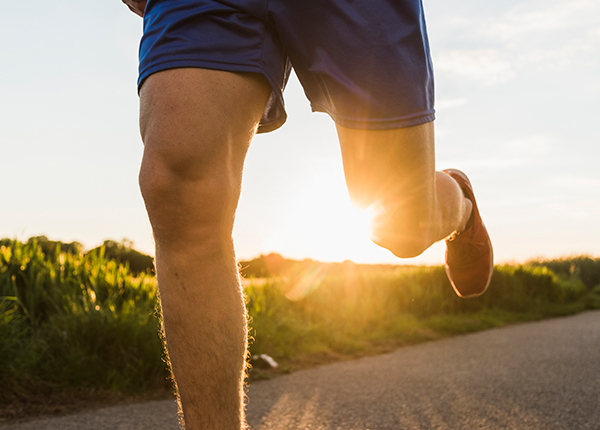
(541, 375)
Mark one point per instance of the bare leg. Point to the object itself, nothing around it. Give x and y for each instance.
(196, 125)
(392, 172)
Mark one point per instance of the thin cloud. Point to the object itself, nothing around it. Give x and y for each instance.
(535, 17)
(575, 182)
(548, 36)
(450, 103)
(523, 151)
(485, 66)
(534, 146)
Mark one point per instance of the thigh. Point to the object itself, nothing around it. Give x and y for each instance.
(192, 119)
(393, 170)
(196, 125)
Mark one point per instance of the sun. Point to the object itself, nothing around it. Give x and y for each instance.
(326, 226)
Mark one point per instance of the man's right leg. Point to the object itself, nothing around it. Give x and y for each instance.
(196, 125)
(392, 173)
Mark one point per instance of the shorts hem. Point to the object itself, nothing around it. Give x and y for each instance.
(226, 67)
(378, 123)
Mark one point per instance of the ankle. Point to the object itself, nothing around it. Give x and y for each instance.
(468, 215)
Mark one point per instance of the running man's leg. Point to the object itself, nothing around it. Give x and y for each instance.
(196, 125)
(392, 172)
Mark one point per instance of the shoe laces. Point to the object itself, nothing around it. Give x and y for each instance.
(462, 249)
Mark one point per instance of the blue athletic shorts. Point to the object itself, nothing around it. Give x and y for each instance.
(364, 62)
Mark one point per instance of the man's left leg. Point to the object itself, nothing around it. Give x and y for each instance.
(196, 126)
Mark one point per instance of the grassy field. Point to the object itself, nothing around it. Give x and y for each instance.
(86, 326)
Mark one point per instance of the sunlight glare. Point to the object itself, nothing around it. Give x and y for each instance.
(322, 224)
(326, 226)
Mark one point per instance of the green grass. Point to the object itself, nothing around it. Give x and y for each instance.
(70, 320)
(77, 319)
(350, 308)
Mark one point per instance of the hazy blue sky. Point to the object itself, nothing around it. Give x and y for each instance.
(518, 89)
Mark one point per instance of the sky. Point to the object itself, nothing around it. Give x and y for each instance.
(517, 101)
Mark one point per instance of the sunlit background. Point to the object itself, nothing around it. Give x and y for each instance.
(518, 89)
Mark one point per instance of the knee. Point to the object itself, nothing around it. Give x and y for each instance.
(188, 197)
(406, 232)
(170, 174)
(402, 241)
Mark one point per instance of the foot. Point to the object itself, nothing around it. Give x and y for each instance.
(469, 254)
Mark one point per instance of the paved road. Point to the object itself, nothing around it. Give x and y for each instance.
(542, 375)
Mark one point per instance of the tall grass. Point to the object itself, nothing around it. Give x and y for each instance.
(77, 319)
(348, 307)
(84, 320)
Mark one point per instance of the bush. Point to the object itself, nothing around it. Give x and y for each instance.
(124, 253)
(583, 268)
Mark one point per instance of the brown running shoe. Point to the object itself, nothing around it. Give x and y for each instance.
(469, 254)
